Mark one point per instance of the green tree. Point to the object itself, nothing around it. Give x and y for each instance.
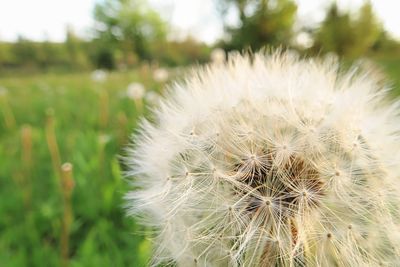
(126, 29)
(75, 50)
(25, 53)
(47, 54)
(387, 45)
(261, 22)
(347, 35)
(6, 56)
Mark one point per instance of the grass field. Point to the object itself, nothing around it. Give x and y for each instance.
(47, 120)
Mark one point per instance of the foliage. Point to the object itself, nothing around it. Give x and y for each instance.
(127, 28)
(261, 23)
(28, 56)
(348, 35)
(128, 32)
(181, 53)
(75, 54)
(386, 45)
(75, 51)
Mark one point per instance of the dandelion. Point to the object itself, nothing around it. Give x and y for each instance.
(271, 160)
(160, 75)
(135, 91)
(218, 56)
(99, 76)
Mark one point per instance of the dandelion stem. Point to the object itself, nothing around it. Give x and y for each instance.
(26, 140)
(9, 118)
(52, 144)
(67, 182)
(122, 123)
(104, 106)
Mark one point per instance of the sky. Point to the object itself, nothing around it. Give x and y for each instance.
(48, 19)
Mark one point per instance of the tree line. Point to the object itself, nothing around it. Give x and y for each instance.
(128, 32)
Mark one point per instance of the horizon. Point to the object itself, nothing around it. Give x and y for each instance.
(184, 17)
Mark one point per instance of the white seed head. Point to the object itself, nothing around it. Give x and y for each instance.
(135, 91)
(99, 76)
(271, 160)
(160, 75)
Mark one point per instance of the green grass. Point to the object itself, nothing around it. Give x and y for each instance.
(92, 123)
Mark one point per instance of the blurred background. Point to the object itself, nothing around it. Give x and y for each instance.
(75, 76)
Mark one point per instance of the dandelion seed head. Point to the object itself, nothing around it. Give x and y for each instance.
(99, 76)
(135, 91)
(160, 75)
(270, 160)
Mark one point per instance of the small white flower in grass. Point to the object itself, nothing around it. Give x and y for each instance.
(160, 75)
(99, 76)
(218, 56)
(135, 91)
(271, 161)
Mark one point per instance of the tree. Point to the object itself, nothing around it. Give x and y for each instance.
(261, 23)
(75, 50)
(346, 35)
(25, 52)
(126, 27)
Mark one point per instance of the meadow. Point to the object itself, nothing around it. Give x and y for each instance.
(47, 120)
(58, 216)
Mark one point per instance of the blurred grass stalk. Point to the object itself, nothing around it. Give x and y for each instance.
(26, 140)
(122, 128)
(67, 182)
(9, 117)
(144, 72)
(104, 106)
(52, 144)
(139, 105)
